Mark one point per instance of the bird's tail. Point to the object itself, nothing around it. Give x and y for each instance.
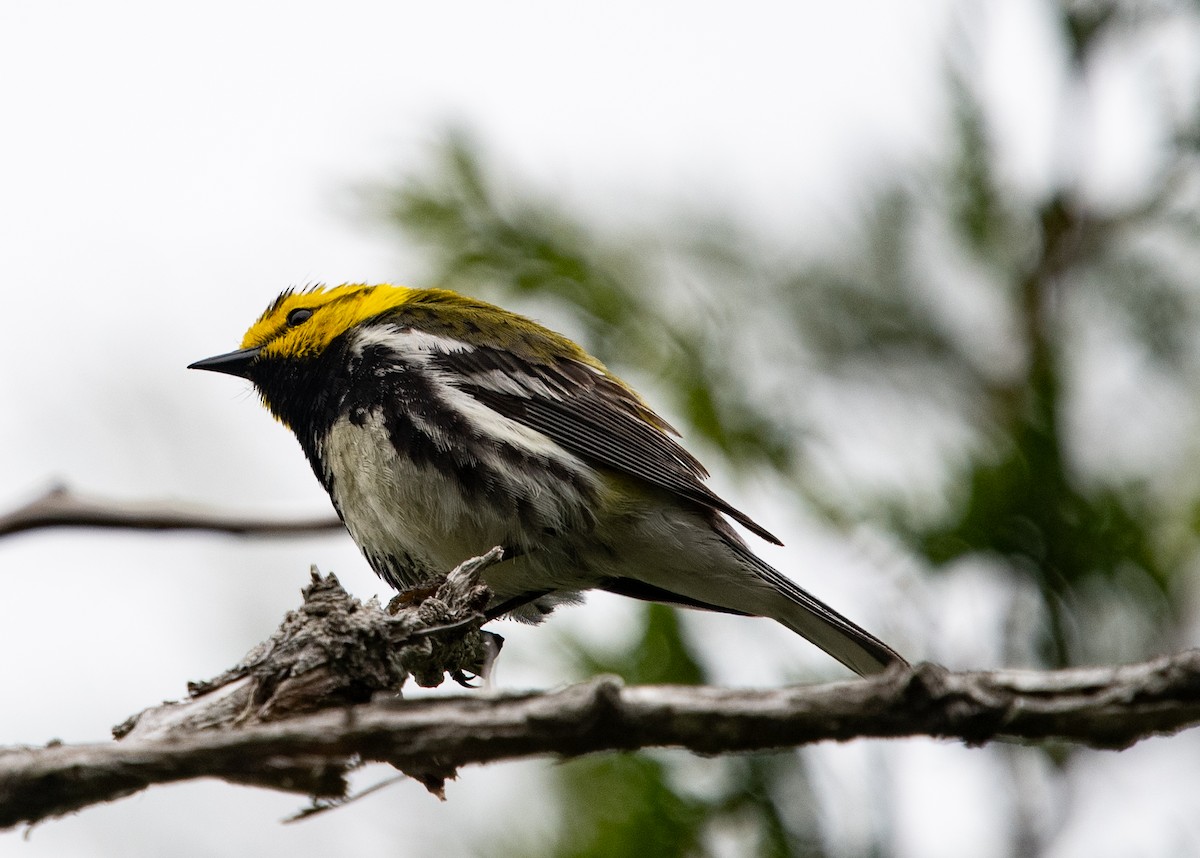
(712, 569)
(812, 619)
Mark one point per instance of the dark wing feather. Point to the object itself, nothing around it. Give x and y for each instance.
(593, 416)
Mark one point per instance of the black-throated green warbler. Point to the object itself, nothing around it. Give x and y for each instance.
(442, 426)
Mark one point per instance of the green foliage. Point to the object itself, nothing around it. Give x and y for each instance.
(661, 657)
(867, 315)
(1050, 530)
(636, 805)
(631, 810)
(512, 246)
(1099, 544)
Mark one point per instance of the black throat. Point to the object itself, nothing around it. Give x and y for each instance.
(309, 393)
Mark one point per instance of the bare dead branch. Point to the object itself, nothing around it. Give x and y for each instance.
(60, 507)
(319, 698)
(1105, 708)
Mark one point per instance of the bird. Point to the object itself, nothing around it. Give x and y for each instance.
(442, 425)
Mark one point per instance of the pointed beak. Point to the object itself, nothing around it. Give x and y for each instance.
(234, 363)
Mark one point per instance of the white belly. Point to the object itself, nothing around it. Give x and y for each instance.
(417, 515)
(393, 507)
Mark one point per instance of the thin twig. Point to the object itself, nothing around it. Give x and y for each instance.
(323, 805)
(60, 507)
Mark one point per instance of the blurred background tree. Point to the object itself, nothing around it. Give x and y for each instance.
(1027, 357)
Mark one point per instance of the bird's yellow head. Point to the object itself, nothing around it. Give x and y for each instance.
(303, 324)
(299, 325)
(296, 354)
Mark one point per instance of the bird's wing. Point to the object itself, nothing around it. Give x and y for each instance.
(590, 414)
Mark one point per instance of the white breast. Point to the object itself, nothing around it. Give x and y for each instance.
(394, 507)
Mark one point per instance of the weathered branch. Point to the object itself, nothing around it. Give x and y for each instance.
(62, 508)
(289, 717)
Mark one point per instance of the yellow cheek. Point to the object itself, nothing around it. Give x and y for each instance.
(290, 344)
(302, 341)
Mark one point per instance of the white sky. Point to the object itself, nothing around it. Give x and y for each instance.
(165, 171)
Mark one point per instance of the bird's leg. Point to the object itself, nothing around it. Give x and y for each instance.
(510, 605)
(492, 643)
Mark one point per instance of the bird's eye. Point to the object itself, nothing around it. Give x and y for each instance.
(298, 316)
